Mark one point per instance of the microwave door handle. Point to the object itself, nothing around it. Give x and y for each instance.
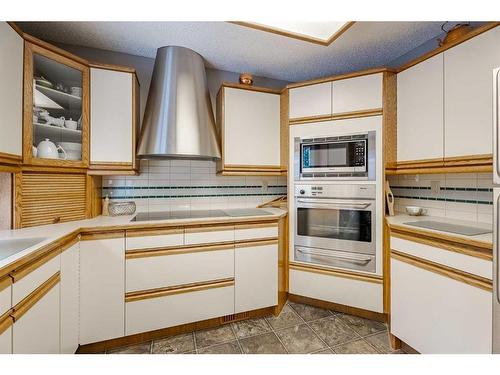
(352, 259)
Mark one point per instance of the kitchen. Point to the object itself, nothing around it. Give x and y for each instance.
(160, 195)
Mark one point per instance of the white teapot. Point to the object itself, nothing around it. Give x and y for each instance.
(48, 150)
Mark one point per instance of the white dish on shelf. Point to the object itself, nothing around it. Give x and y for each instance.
(73, 150)
(70, 124)
(415, 210)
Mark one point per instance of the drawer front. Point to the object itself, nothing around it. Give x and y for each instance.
(161, 239)
(466, 263)
(161, 312)
(436, 314)
(27, 284)
(257, 231)
(5, 295)
(179, 268)
(195, 236)
(356, 293)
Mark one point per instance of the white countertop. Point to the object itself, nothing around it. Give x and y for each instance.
(401, 219)
(54, 232)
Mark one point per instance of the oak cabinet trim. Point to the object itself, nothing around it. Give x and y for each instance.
(178, 289)
(6, 321)
(337, 116)
(443, 241)
(176, 250)
(130, 233)
(334, 272)
(255, 242)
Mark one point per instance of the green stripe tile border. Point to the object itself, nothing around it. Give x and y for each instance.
(445, 199)
(191, 187)
(194, 196)
(445, 188)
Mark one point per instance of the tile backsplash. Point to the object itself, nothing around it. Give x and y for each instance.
(462, 196)
(169, 185)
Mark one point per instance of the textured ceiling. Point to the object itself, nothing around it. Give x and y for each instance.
(236, 48)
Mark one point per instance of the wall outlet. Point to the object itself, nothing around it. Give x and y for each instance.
(264, 186)
(435, 187)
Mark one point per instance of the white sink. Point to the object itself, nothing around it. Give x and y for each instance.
(11, 247)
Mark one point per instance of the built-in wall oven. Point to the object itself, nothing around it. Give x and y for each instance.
(335, 226)
(348, 157)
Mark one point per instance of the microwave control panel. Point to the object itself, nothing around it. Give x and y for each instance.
(359, 153)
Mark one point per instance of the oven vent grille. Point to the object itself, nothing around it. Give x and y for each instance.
(323, 175)
(234, 317)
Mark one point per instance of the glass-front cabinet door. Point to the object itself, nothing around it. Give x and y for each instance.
(55, 109)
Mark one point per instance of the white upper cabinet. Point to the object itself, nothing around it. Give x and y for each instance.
(468, 94)
(102, 289)
(420, 111)
(111, 116)
(251, 128)
(11, 91)
(357, 94)
(312, 100)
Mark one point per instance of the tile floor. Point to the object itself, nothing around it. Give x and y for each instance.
(299, 329)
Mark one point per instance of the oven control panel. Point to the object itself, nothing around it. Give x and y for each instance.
(341, 191)
(309, 190)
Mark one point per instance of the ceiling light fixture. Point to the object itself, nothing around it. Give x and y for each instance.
(323, 33)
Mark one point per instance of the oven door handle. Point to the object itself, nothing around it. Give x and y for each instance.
(354, 258)
(332, 205)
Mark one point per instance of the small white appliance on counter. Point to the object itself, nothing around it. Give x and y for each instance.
(496, 212)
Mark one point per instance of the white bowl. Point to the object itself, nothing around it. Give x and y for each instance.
(71, 146)
(415, 210)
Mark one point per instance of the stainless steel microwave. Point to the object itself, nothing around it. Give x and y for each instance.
(347, 157)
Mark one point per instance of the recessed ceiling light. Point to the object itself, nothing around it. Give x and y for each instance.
(322, 33)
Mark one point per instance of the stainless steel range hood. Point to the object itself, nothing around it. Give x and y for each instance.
(178, 120)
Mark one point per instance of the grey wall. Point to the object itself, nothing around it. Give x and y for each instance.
(144, 69)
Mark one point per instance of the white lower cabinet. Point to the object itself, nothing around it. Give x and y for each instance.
(256, 276)
(6, 337)
(206, 235)
(168, 311)
(152, 239)
(255, 231)
(70, 302)
(437, 314)
(37, 331)
(365, 295)
(102, 289)
(173, 269)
